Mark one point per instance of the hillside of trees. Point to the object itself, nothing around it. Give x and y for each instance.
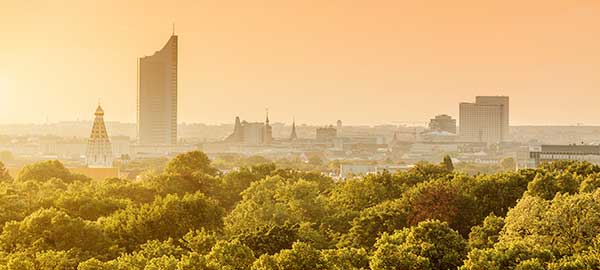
(190, 216)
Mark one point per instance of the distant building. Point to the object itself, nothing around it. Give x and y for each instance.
(549, 153)
(293, 135)
(348, 170)
(326, 134)
(251, 133)
(486, 120)
(443, 123)
(99, 150)
(121, 146)
(157, 96)
(268, 132)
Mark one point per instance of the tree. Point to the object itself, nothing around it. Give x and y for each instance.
(190, 163)
(200, 241)
(508, 164)
(546, 185)
(508, 256)
(439, 200)
(276, 201)
(270, 239)
(230, 255)
(171, 216)
(590, 184)
(46, 170)
(486, 235)
(447, 162)
(429, 245)
(301, 256)
(51, 229)
(373, 222)
(4, 176)
(562, 225)
(345, 259)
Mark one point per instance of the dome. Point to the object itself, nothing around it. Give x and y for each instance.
(99, 111)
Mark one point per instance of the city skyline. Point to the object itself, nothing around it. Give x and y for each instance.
(378, 58)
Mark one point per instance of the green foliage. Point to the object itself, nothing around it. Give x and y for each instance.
(508, 164)
(4, 176)
(429, 245)
(546, 185)
(508, 256)
(301, 256)
(276, 201)
(46, 170)
(171, 216)
(590, 184)
(373, 222)
(230, 255)
(486, 235)
(563, 225)
(261, 215)
(270, 239)
(189, 164)
(447, 162)
(345, 259)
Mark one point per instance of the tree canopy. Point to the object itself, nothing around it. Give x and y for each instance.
(262, 216)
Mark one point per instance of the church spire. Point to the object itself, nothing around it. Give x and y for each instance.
(267, 120)
(293, 136)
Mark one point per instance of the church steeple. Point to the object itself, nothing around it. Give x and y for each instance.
(268, 131)
(293, 136)
(267, 120)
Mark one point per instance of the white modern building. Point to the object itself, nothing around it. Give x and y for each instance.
(485, 120)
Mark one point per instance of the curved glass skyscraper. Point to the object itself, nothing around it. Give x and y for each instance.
(157, 96)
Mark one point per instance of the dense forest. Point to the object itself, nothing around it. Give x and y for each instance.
(191, 216)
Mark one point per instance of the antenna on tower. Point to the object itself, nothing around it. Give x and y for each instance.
(267, 112)
(173, 28)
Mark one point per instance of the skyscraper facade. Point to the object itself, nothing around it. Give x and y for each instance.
(157, 96)
(486, 120)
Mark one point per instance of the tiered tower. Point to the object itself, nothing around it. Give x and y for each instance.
(99, 150)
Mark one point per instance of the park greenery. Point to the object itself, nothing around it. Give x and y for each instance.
(189, 215)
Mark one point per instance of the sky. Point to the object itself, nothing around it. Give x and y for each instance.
(361, 61)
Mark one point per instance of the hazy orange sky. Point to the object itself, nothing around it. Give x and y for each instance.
(362, 61)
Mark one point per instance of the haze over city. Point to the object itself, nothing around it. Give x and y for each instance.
(362, 61)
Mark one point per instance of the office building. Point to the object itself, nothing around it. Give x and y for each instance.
(549, 153)
(157, 96)
(486, 120)
(443, 123)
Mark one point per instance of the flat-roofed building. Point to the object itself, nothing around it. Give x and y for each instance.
(549, 153)
(486, 120)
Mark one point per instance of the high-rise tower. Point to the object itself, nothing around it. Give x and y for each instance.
(157, 96)
(99, 149)
(486, 120)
